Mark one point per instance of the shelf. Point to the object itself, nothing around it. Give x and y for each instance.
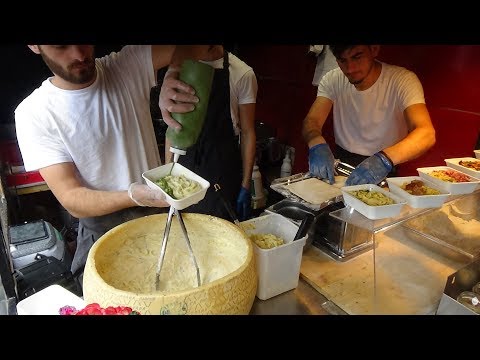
(351, 216)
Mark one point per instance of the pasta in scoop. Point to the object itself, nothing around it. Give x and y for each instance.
(178, 187)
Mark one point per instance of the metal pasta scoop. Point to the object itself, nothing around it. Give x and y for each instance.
(166, 233)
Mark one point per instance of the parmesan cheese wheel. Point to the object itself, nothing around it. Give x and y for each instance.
(121, 267)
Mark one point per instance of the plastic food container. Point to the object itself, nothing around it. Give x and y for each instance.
(453, 188)
(454, 163)
(48, 301)
(153, 175)
(477, 153)
(373, 212)
(278, 268)
(417, 201)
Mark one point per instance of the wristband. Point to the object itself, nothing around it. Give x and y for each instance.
(386, 160)
(317, 146)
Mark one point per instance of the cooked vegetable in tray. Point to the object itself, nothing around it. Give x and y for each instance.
(372, 198)
(475, 165)
(450, 176)
(418, 188)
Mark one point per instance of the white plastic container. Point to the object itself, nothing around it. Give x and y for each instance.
(373, 212)
(456, 188)
(48, 301)
(153, 175)
(278, 268)
(417, 201)
(477, 153)
(454, 163)
(257, 187)
(286, 169)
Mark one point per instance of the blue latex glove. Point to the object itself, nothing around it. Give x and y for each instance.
(244, 201)
(372, 170)
(320, 162)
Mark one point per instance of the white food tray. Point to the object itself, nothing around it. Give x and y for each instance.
(373, 212)
(153, 175)
(454, 163)
(456, 188)
(48, 301)
(417, 201)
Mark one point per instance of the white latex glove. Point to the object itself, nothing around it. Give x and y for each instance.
(143, 195)
(175, 96)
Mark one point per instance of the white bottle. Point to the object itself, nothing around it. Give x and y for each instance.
(257, 187)
(286, 169)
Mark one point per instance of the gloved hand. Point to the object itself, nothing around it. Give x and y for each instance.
(320, 162)
(372, 170)
(143, 195)
(175, 96)
(244, 202)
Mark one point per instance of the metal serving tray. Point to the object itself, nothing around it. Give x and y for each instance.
(278, 185)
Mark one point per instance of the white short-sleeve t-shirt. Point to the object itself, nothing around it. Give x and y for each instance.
(105, 129)
(368, 121)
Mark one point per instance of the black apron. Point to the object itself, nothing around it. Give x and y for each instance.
(216, 156)
(91, 229)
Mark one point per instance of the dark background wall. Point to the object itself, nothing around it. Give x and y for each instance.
(22, 72)
(450, 75)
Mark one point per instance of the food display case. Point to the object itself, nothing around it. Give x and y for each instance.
(393, 265)
(415, 252)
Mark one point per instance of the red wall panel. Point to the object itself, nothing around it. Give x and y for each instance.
(285, 91)
(450, 74)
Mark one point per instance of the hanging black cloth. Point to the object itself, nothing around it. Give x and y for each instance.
(216, 156)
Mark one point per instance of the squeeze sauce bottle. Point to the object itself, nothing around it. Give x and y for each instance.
(200, 77)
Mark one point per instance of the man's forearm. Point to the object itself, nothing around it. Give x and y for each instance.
(84, 202)
(314, 121)
(313, 137)
(248, 147)
(414, 145)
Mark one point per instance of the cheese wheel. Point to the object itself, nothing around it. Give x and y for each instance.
(121, 267)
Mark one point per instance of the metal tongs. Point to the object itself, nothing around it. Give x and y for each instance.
(166, 233)
(343, 168)
(346, 169)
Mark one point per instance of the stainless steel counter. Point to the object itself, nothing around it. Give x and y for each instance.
(304, 300)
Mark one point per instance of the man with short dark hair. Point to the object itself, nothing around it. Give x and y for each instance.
(379, 116)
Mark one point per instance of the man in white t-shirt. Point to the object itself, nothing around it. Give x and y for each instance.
(379, 117)
(225, 150)
(89, 132)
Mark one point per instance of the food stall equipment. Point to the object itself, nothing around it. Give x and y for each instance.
(338, 239)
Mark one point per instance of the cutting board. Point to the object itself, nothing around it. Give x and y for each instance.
(316, 191)
(409, 278)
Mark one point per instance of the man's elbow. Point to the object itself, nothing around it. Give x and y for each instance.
(72, 211)
(431, 139)
(68, 206)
